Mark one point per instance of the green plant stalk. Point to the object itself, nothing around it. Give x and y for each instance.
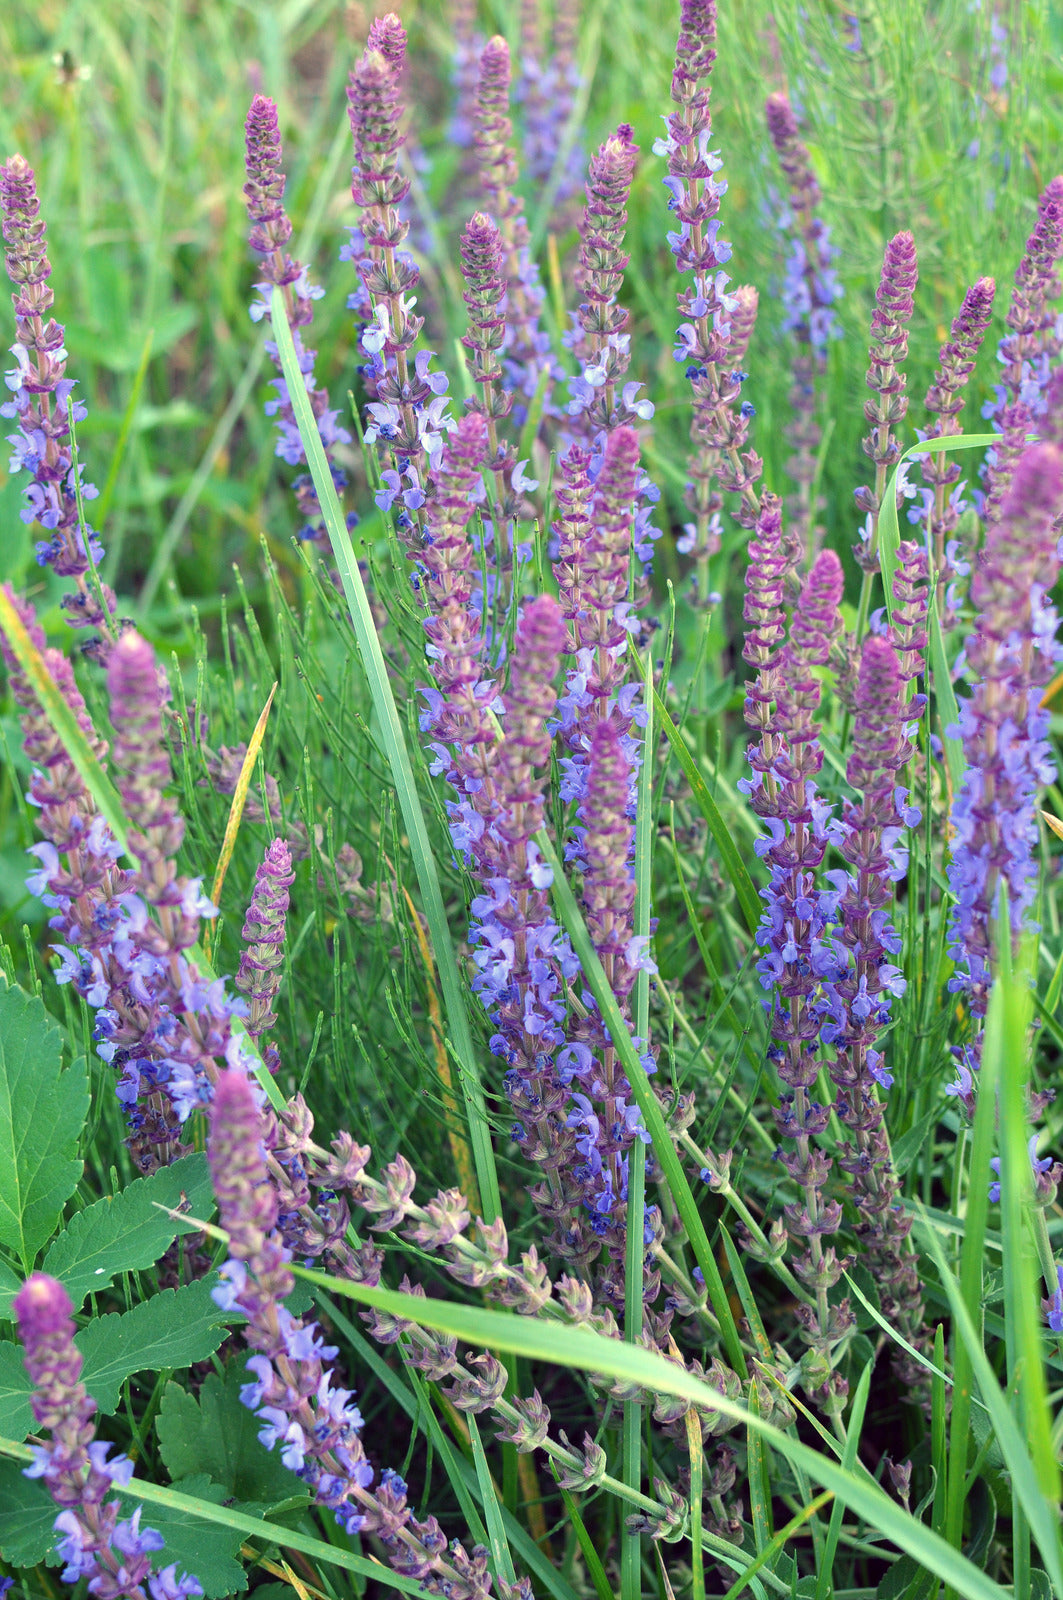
(631, 1544)
(376, 672)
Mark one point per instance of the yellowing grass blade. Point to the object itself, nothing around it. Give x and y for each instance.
(236, 810)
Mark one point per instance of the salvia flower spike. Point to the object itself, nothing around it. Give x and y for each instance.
(271, 230)
(115, 1555)
(43, 404)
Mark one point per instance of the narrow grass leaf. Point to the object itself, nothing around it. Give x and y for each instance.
(730, 855)
(587, 1351)
(376, 672)
(236, 809)
(779, 1543)
(825, 1580)
(1041, 1513)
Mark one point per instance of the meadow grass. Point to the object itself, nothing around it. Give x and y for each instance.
(136, 137)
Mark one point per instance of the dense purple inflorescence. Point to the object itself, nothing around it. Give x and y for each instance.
(79, 1472)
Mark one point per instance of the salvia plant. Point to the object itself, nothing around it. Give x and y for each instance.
(529, 1065)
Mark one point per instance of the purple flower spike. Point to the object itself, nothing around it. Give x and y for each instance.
(720, 426)
(526, 352)
(894, 303)
(42, 401)
(143, 764)
(1026, 351)
(115, 1556)
(943, 496)
(810, 290)
(1011, 655)
(388, 36)
(603, 346)
(263, 933)
(270, 232)
(294, 1392)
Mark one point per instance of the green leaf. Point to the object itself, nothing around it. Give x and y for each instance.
(10, 1284)
(128, 1232)
(172, 1329)
(27, 1517)
(908, 1146)
(16, 1418)
(730, 855)
(215, 1433)
(203, 1549)
(42, 1113)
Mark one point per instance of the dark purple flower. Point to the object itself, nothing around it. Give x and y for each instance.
(943, 496)
(1010, 656)
(1025, 351)
(810, 290)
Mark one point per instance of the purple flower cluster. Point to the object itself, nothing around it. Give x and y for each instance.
(795, 930)
(1024, 352)
(1010, 656)
(526, 346)
(407, 411)
(810, 290)
(943, 501)
(42, 401)
(115, 1556)
(294, 1390)
(895, 301)
(600, 343)
(592, 567)
(263, 934)
(122, 935)
(270, 232)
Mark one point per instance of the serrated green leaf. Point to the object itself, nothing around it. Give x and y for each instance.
(42, 1113)
(172, 1329)
(218, 1435)
(27, 1517)
(128, 1232)
(203, 1549)
(10, 1284)
(16, 1418)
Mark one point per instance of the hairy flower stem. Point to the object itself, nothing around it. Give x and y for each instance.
(895, 301)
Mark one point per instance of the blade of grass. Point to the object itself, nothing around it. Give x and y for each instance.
(778, 1543)
(588, 1351)
(825, 1580)
(730, 855)
(1041, 1513)
(376, 672)
(645, 1099)
(602, 1587)
(236, 810)
(262, 1531)
(497, 1543)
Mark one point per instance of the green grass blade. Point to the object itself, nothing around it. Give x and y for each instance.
(730, 855)
(376, 672)
(497, 1543)
(825, 1581)
(602, 1587)
(778, 1544)
(254, 1528)
(587, 1351)
(646, 1100)
(1041, 1513)
(631, 1545)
